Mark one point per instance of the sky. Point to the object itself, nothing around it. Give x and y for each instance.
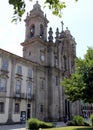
(77, 16)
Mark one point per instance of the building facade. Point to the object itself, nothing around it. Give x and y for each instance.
(16, 84)
(30, 86)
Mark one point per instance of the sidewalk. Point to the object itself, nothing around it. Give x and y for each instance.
(60, 124)
(23, 126)
(13, 127)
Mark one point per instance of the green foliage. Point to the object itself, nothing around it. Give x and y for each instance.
(78, 120)
(19, 7)
(80, 85)
(56, 6)
(34, 123)
(74, 87)
(46, 125)
(91, 119)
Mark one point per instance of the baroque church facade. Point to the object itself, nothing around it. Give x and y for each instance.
(30, 86)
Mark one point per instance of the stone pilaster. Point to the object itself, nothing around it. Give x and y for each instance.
(10, 110)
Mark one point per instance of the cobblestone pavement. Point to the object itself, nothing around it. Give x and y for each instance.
(13, 127)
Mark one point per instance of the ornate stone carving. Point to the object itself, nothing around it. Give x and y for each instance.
(50, 35)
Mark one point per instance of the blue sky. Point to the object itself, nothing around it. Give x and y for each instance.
(78, 17)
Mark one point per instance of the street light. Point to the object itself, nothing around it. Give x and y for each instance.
(26, 105)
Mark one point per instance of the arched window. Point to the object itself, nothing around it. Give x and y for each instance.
(32, 31)
(41, 30)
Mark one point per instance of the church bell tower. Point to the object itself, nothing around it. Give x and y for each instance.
(36, 34)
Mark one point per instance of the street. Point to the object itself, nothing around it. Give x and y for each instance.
(13, 127)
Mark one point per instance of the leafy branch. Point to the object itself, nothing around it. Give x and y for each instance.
(19, 6)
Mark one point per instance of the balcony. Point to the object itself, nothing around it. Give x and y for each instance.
(2, 94)
(4, 70)
(17, 95)
(23, 96)
(29, 96)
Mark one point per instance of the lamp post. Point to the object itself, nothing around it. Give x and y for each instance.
(26, 106)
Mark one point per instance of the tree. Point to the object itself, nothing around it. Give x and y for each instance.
(80, 85)
(19, 7)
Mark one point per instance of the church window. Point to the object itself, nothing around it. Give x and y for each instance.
(32, 31)
(29, 89)
(5, 64)
(56, 80)
(2, 84)
(17, 108)
(41, 30)
(18, 88)
(42, 84)
(42, 55)
(19, 70)
(65, 62)
(1, 107)
(41, 108)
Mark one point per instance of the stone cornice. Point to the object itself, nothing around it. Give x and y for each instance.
(33, 40)
(15, 57)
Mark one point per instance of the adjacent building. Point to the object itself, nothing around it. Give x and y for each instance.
(30, 86)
